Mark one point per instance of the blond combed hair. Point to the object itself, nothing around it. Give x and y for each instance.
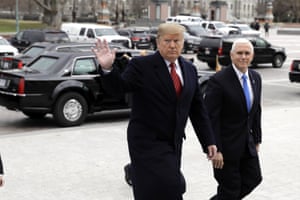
(170, 28)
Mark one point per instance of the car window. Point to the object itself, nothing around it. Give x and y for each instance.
(260, 43)
(33, 51)
(82, 31)
(105, 31)
(90, 33)
(84, 66)
(4, 42)
(33, 36)
(19, 35)
(56, 36)
(211, 26)
(43, 64)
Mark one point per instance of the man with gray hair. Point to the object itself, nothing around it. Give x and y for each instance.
(233, 99)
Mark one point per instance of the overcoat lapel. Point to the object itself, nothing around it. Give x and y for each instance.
(162, 73)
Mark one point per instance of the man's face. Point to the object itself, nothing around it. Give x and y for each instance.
(170, 46)
(242, 56)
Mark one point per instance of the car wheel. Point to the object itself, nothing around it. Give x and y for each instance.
(277, 61)
(70, 109)
(34, 115)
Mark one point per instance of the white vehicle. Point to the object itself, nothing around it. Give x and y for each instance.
(183, 19)
(87, 32)
(6, 49)
(245, 29)
(218, 28)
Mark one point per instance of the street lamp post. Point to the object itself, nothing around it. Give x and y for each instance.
(17, 15)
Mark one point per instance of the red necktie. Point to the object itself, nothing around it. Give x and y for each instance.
(176, 79)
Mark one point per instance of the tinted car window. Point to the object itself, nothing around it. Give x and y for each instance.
(43, 64)
(84, 67)
(82, 31)
(33, 51)
(56, 36)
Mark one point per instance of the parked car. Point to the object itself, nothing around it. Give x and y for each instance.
(245, 29)
(212, 48)
(64, 84)
(89, 32)
(139, 39)
(31, 52)
(34, 50)
(218, 28)
(294, 73)
(25, 38)
(191, 43)
(195, 29)
(6, 49)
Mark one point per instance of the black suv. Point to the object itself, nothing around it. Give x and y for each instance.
(213, 48)
(25, 38)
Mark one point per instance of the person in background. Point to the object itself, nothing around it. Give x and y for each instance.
(257, 25)
(267, 27)
(233, 99)
(165, 92)
(1, 173)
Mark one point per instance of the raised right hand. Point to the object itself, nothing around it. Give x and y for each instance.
(104, 54)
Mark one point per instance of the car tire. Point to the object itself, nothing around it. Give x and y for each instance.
(70, 109)
(34, 115)
(277, 61)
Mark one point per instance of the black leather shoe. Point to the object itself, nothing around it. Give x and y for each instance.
(214, 198)
(127, 170)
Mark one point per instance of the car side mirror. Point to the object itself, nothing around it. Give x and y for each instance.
(67, 72)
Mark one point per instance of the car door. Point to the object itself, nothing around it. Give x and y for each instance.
(262, 51)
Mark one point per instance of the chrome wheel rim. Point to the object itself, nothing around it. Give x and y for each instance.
(72, 110)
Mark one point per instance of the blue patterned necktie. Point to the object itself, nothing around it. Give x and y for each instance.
(246, 92)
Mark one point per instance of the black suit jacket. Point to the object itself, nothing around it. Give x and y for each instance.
(158, 120)
(156, 111)
(235, 129)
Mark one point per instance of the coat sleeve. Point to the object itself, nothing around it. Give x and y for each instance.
(213, 100)
(200, 120)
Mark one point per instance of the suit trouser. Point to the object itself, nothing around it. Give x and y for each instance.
(157, 176)
(238, 177)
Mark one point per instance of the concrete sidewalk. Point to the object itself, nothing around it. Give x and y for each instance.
(87, 162)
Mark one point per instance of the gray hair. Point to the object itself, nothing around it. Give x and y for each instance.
(242, 41)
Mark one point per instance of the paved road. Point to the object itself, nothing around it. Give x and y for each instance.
(87, 162)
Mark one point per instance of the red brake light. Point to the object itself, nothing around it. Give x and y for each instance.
(21, 88)
(20, 64)
(291, 66)
(220, 51)
(135, 38)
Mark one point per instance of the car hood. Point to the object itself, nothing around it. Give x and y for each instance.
(8, 49)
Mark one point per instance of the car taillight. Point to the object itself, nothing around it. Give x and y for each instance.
(21, 87)
(135, 39)
(20, 64)
(292, 66)
(220, 51)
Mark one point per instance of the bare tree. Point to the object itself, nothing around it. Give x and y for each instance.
(286, 11)
(53, 10)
